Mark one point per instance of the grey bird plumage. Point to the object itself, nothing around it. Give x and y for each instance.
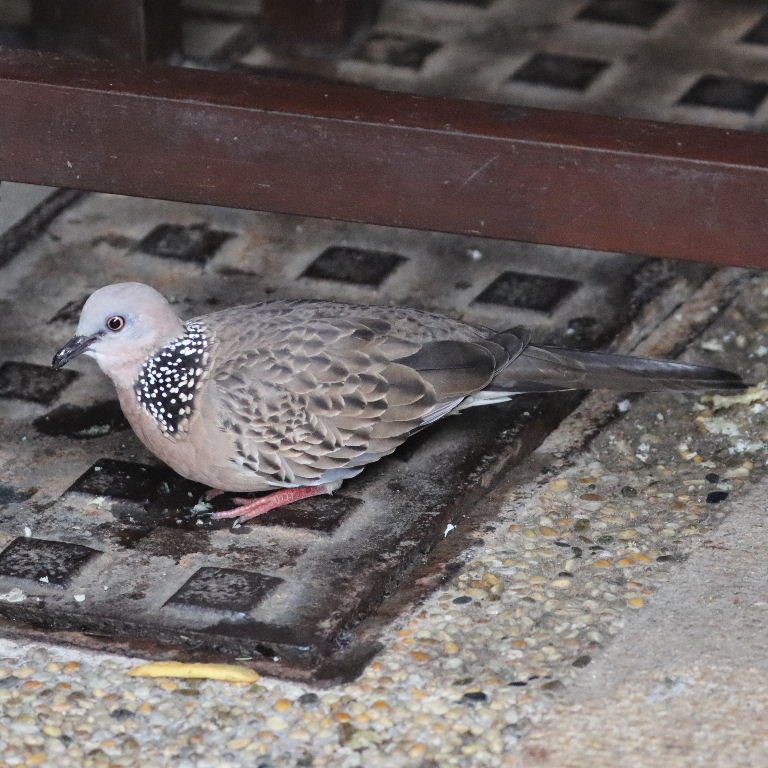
(302, 395)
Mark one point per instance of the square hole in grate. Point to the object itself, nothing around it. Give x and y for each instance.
(759, 33)
(225, 589)
(120, 480)
(726, 93)
(537, 292)
(322, 515)
(37, 383)
(637, 13)
(70, 312)
(82, 422)
(396, 50)
(354, 265)
(195, 243)
(55, 561)
(17, 37)
(559, 71)
(11, 495)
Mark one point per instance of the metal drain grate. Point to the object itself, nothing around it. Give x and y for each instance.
(112, 545)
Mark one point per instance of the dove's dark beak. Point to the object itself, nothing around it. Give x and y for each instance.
(72, 349)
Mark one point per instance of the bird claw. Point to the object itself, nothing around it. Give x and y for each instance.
(247, 509)
(204, 508)
(256, 507)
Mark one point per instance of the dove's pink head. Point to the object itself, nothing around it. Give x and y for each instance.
(120, 326)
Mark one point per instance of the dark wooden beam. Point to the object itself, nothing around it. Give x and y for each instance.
(351, 153)
(120, 30)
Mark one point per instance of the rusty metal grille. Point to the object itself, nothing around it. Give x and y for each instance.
(97, 538)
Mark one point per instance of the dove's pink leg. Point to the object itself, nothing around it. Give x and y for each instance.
(250, 508)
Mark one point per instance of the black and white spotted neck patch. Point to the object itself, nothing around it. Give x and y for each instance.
(169, 380)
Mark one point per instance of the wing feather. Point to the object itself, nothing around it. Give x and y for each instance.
(306, 389)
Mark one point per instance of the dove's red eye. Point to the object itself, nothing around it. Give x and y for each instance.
(116, 323)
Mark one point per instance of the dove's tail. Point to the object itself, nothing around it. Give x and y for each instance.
(551, 369)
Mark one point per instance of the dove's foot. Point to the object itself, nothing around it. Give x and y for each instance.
(247, 509)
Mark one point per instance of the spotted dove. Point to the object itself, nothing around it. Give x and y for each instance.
(301, 395)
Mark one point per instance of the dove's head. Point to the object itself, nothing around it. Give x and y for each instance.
(120, 326)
